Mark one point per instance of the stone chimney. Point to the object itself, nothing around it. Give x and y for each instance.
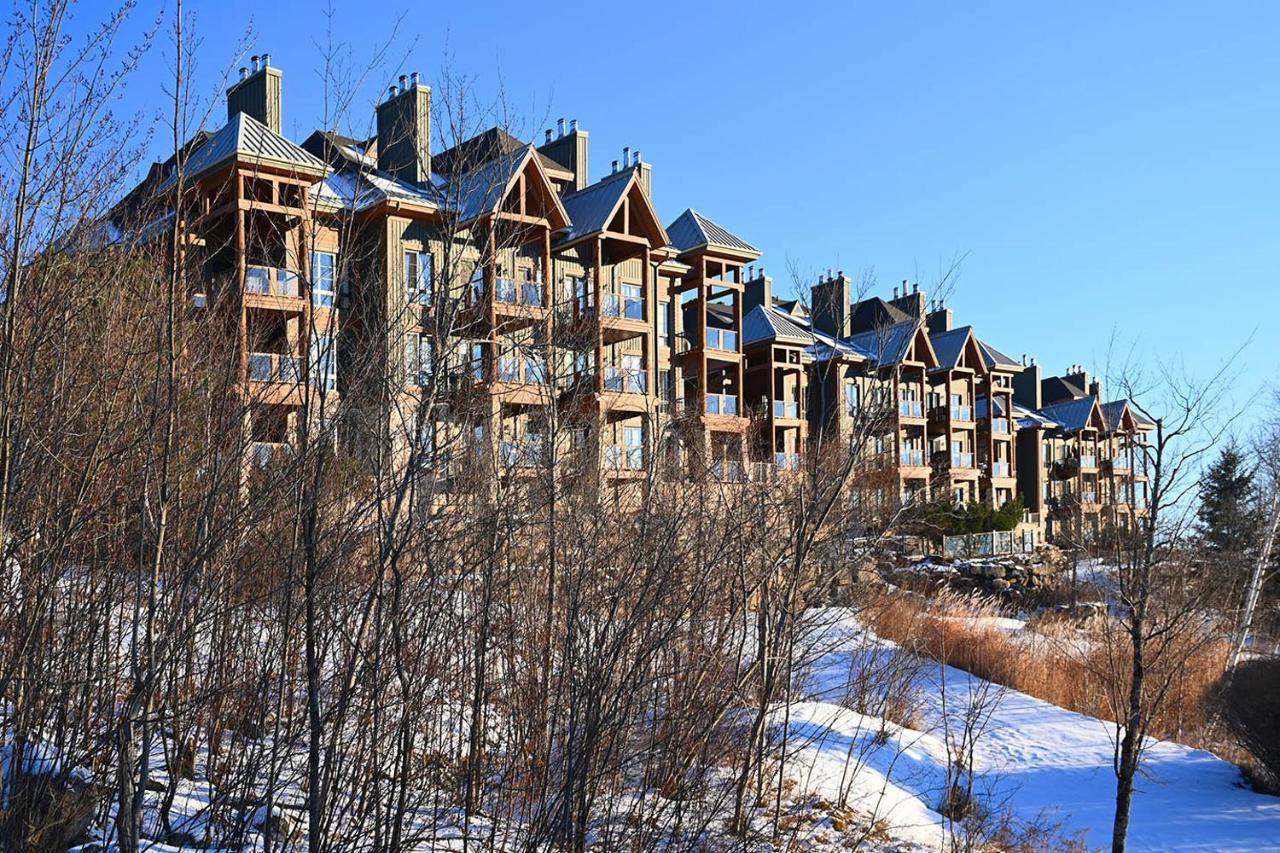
(758, 291)
(257, 93)
(911, 302)
(939, 319)
(832, 305)
(569, 149)
(404, 132)
(1026, 386)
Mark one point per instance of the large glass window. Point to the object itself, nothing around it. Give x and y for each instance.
(324, 361)
(418, 271)
(323, 279)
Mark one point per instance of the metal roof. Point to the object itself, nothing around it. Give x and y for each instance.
(949, 345)
(995, 358)
(1073, 415)
(245, 138)
(767, 324)
(692, 230)
(887, 346)
(591, 208)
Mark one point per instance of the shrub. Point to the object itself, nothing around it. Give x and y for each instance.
(1248, 699)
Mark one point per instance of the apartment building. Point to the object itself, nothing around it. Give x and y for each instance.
(493, 296)
(1080, 459)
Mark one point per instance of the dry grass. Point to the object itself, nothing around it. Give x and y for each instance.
(1083, 669)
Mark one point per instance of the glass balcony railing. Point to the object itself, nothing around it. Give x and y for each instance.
(531, 452)
(722, 339)
(999, 469)
(1088, 460)
(628, 458)
(961, 460)
(728, 471)
(275, 367)
(271, 281)
(912, 457)
(266, 452)
(1120, 463)
(504, 290)
(1000, 425)
(911, 409)
(626, 380)
(529, 370)
(722, 404)
(784, 409)
(610, 305)
(531, 294)
(787, 461)
(961, 413)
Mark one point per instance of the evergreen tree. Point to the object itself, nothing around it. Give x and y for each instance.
(1228, 513)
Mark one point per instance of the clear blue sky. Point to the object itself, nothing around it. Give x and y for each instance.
(1102, 166)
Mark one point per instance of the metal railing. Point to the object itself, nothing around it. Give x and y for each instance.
(275, 367)
(911, 409)
(722, 339)
(784, 409)
(722, 404)
(626, 380)
(271, 281)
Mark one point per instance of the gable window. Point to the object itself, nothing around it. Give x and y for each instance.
(323, 277)
(418, 271)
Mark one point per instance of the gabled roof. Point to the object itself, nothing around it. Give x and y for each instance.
(492, 144)
(892, 344)
(1075, 415)
(773, 324)
(996, 359)
(1059, 389)
(482, 190)
(340, 151)
(692, 230)
(876, 313)
(1116, 412)
(243, 137)
(950, 347)
(592, 208)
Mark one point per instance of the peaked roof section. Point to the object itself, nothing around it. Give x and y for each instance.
(692, 230)
(1075, 415)
(243, 137)
(892, 345)
(481, 190)
(592, 208)
(1030, 418)
(492, 144)
(950, 346)
(1059, 389)
(996, 359)
(875, 313)
(773, 324)
(1116, 412)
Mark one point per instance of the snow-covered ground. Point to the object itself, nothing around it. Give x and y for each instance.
(1035, 760)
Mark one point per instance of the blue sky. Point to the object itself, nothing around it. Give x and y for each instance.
(1102, 168)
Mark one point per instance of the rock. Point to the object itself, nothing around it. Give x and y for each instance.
(277, 826)
(1000, 584)
(181, 839)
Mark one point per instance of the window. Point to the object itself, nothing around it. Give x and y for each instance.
(324, 361)
(664, 323)
(419, 355)
(633, 438)
(852, 396)
(667, 384)
(632, 302)
(418, 271)
(477, 360)
(323, 272)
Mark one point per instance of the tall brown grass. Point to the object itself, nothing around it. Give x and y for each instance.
(1080, 667)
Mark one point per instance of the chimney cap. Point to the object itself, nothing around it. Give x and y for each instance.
(573, 125)
(266, 61)
(615, 167)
